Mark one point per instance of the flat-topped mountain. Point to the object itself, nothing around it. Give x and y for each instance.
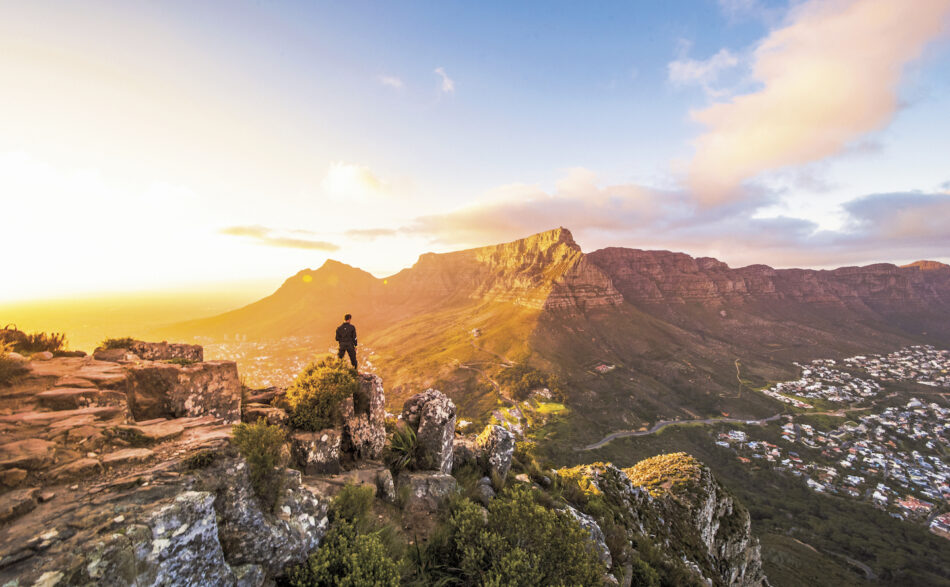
(685, 336)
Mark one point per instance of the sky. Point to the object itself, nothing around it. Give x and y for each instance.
(155, 145)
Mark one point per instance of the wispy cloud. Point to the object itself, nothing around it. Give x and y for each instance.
(448, 84)
(270, 237)
(370, 233)
(828, 77)
(705, 73)
(391, 81)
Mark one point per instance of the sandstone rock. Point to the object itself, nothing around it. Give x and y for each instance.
(425, 491)
(77, 397)
(496, 447)
(364, 420)
(72, 381)
(164, 351)
(113, 355)
(273, 416)
(65, 418)
(42, 356)
(252, 536)
(12, 477)
(385, 487)
(155, 432)
(79, 469)
(598, 541)
(126, 456)
(30, 454)
(15, 355)
(317, 452)
(14, 504)
(157, 390)
(432, 415)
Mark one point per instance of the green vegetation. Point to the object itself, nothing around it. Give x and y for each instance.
(314, 397)
(262, 445)
(400, 449)
(350, 554)
(521, 379)
(10, 367)
(37, 342)
(666, 472)
(519, 542)
(116, 343)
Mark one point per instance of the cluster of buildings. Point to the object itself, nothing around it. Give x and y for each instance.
(892, 458)
(821, 380)
(922, 363)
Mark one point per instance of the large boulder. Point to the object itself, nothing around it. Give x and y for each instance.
(495, 447)
(425, 491)
(464, 452)
(432, 415)
(166, 390)
(317, 452)
(597, 540)
(251, 535)
(364, 420)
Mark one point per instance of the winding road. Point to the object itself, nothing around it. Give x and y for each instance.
(664, 423)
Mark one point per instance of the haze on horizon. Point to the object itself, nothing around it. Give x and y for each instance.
(174, 146)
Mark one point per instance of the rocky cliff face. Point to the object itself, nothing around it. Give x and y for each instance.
(676, 278)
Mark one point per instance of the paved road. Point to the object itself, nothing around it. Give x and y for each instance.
(664, 423)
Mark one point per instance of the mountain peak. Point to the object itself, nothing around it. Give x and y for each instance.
(925, 265)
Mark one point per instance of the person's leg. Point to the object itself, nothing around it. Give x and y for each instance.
(340, 352)
(352, 352)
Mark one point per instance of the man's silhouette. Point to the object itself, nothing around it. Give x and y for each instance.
(346, 336)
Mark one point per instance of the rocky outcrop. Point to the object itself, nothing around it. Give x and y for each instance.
(316, 452)
(495, 446)
(163, 390)
(597, 539)
(432, 416)
(424, 491)
(364, 420)
(683, 509)
(165, 351)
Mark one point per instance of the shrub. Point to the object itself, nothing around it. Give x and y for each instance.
(643, 575)
(520, 543)
(352, 505)
(117, 343)
(314, 397)
(262, 445)
(10, 368)
(37, 342)
(522, 379)
(347, 558)
(199, 460)
(402, 446)
(662, 473)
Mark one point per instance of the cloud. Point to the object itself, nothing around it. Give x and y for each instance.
(370, 233)
(828, 77)
(391, 81)
(272, 238)
(705, 73)
(881, 227)
(448, 84)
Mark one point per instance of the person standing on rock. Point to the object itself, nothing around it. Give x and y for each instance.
(346, 336)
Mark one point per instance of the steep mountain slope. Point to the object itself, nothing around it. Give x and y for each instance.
(687, 337)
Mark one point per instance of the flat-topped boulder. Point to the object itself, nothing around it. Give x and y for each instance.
(79, 469)
(364, 420)
(127, 456)
(425, 491)
(166, 351)
(168, 390)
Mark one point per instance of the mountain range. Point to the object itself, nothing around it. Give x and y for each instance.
(674, 335)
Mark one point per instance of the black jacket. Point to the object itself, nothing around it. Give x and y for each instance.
(346, 334)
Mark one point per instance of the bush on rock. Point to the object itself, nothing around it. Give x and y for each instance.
(262, 446)
(314, 397)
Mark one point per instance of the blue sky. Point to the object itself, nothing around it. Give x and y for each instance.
(252, 139)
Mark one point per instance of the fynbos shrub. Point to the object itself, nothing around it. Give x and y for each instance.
(314, 397)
